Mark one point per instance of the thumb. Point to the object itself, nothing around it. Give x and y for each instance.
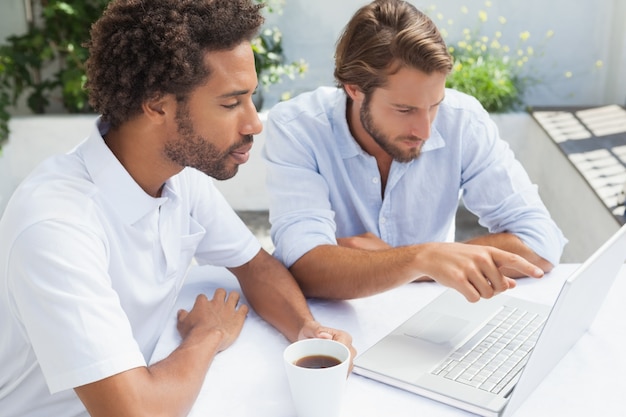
(182, 314)
(323, 333)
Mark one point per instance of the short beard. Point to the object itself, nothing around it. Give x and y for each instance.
(383, 141)
(193, 150)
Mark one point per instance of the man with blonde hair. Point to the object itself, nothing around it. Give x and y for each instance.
(364, 179)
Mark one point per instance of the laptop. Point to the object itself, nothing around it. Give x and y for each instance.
(487, 357)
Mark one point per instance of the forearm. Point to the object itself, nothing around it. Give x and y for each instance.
(338, 272)
(474, 270)
(167, 388)
(273, 294)
(511, 243)
(180, 376)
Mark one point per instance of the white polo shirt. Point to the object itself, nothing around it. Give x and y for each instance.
(90, 267)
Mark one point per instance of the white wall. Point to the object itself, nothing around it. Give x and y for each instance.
(616, 68)
(12, 18)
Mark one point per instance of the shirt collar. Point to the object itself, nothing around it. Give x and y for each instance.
(351, 148)
(112, 180)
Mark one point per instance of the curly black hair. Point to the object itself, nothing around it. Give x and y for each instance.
(143, 49)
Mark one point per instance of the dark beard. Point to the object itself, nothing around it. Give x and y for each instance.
(193, 150)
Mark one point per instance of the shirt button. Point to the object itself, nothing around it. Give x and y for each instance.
(383, 220)
(375, 180)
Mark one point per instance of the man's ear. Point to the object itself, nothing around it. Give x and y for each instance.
(158, 108)
(354, 92)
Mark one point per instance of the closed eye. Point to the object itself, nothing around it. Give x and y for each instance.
(231, 106)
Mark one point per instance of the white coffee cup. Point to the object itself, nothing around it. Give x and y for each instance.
(317, 392)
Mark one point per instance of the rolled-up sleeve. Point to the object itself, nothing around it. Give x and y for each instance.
(498, 190)
(300, 213)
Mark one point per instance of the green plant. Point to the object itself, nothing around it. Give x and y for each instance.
(494, 73)
(47, 62)
(269, 59)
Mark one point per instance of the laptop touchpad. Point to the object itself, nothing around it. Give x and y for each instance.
(437, 328)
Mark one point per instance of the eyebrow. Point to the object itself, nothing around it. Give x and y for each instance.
(413, 107)
(236, 93)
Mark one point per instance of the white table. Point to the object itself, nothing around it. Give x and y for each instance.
(248, 379)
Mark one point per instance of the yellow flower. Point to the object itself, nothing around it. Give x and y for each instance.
(482, 15)
(440, 16)
(502, 20)
(550, 34)
(464, 10)
(599, 64)
(495, 44)
(450, 22)
(568, 74)
(488, 3)
(505, 48)
(498, 34)
(524, 36)
(530, 50)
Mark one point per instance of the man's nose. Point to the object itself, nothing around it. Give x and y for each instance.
(421, 125)
(253, 124)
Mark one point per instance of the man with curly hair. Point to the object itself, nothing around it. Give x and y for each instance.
(95, 244)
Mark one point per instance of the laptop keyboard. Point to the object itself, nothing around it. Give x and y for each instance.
(495, 355)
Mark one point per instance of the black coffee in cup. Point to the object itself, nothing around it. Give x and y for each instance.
(317, 362)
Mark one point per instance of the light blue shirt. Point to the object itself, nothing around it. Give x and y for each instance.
(322, 185)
